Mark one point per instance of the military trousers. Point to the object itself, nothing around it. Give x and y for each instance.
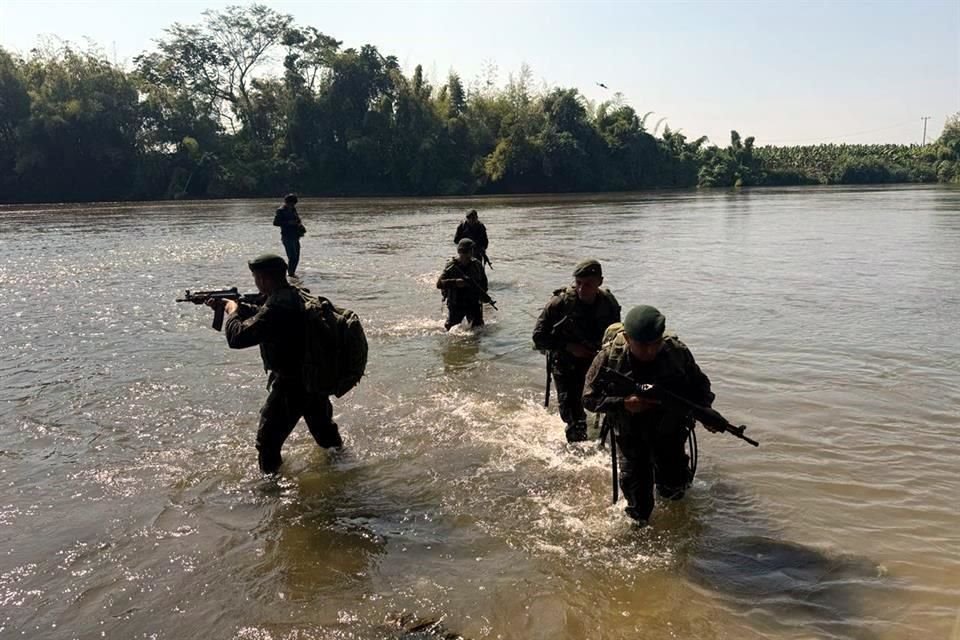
(287, 402)
(568, 377)
(291, 244)
(473, 312)
(651, 459)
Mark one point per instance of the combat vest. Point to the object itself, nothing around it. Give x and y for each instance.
(670, 363)
(335, 353)
(469, 294)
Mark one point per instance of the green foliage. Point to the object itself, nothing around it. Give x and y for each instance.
(947, 151)
(847, 164)
(80, 139)
(736, 165)
(210, 112)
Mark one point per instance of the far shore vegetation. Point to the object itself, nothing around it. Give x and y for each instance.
(249, 103)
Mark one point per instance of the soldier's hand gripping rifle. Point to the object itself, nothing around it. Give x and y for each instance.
(486, 260)
(484, 296)
(623, 385)
(201, 297)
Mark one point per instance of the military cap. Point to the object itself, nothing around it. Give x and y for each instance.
(644, 324)
(465, 243)
(472, 213)
(587, 268)
(268, 262)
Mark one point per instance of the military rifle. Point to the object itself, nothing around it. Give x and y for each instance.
(563, 324)
(566, 327)
(625, 385)
(201, 297)
(484, 296)
(486, 260)
(546, 393)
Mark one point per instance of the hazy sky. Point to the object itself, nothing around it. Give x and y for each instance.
(785, 72)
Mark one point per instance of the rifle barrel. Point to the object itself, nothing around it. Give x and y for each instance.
(705, 415)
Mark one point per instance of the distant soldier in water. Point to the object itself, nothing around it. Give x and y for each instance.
(472, 228)
(650, 435)
(569, 330)
(464, 286)
(291, 230)
(278, 326)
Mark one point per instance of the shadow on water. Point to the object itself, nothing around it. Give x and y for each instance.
(777, 585)
(313, 549)
(332, 527)
(460, 349)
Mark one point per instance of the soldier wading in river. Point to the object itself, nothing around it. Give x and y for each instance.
(279, 327)
(570, 329)
(464, 286)
(472, 228)
(291, 230)
(650, 435)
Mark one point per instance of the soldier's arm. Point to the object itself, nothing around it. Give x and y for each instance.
(446, 279)
(543, 336)
(698, 384)
(483, 239)
(459, 234)
(594, 396)
(247, 326)
(615, 315)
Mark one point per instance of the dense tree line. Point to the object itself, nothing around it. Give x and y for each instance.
(249, 103)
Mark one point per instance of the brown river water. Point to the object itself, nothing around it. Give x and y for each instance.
(828, 320)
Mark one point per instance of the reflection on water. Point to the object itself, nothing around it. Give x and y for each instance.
(826, 319)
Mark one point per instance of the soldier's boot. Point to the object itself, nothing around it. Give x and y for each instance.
(637, 516)
(671, 493)
(577, 432)
(269, 462)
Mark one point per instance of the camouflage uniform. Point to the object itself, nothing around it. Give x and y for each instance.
(278, 327)
(464, 302)
(563, 320)
(478, 233)
(651, 443)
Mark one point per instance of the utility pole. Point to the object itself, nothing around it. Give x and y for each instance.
(924, 118)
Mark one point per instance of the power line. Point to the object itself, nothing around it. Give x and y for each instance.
(845, 135)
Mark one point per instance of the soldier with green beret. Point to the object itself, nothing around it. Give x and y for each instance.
(278, 326)
(569, 331)
(464, 286)
(650, 436)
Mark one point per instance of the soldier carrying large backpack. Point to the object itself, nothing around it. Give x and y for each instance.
(650, 433)
(310, 350)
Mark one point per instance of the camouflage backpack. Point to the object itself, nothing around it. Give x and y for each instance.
(335, 347)
(615, 344)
